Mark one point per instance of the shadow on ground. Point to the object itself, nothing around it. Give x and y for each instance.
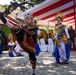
(46, 65)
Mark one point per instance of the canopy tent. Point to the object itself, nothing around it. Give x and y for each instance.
(47, 10)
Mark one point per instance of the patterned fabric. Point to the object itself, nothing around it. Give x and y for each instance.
(62, 46)
(29, 46)
(61, 35)
(19, 34)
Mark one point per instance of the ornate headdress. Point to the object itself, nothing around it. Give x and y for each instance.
(59, 14)
(10, 36)
(28, 15)
(35, 19)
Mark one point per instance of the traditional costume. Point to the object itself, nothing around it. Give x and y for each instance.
(27, 43)
(62, 46)
(29, 47)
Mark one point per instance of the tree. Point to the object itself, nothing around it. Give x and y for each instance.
(22, 8)
(4, 6)
(34, 2)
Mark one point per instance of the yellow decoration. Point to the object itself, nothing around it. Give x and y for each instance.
(58, 30)
(36, 19)
(58, 43)
(64, 38)
(61, 35)
(59, 14)
(39, 35)
(10, 36)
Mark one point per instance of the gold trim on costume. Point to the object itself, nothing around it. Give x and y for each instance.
(28, 46)
(10, 36)
(59, 14)
(33, 62)
(36, 19)
(17, 31)
(61, 35)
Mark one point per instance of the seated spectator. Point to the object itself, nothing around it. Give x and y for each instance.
(14, 49)
(51, 34)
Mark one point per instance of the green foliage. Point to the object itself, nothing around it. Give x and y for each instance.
(14, 0)
(19, 0)
(34, 2)
(37, 1)
(6, 30)
(4, 6)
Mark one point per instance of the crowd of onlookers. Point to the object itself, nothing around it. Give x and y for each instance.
(43, 35)
(10, 44)
(45, 40)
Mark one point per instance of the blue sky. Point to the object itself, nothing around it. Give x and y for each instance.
(2, 2)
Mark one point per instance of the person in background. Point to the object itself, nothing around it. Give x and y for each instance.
(51, 34)
(2, 40)
(13, 47)
(72, 36)
(44, 34)
(75, 41)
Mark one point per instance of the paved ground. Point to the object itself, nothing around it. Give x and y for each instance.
(46, 66)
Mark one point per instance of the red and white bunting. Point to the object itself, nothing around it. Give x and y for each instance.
(47, 10)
